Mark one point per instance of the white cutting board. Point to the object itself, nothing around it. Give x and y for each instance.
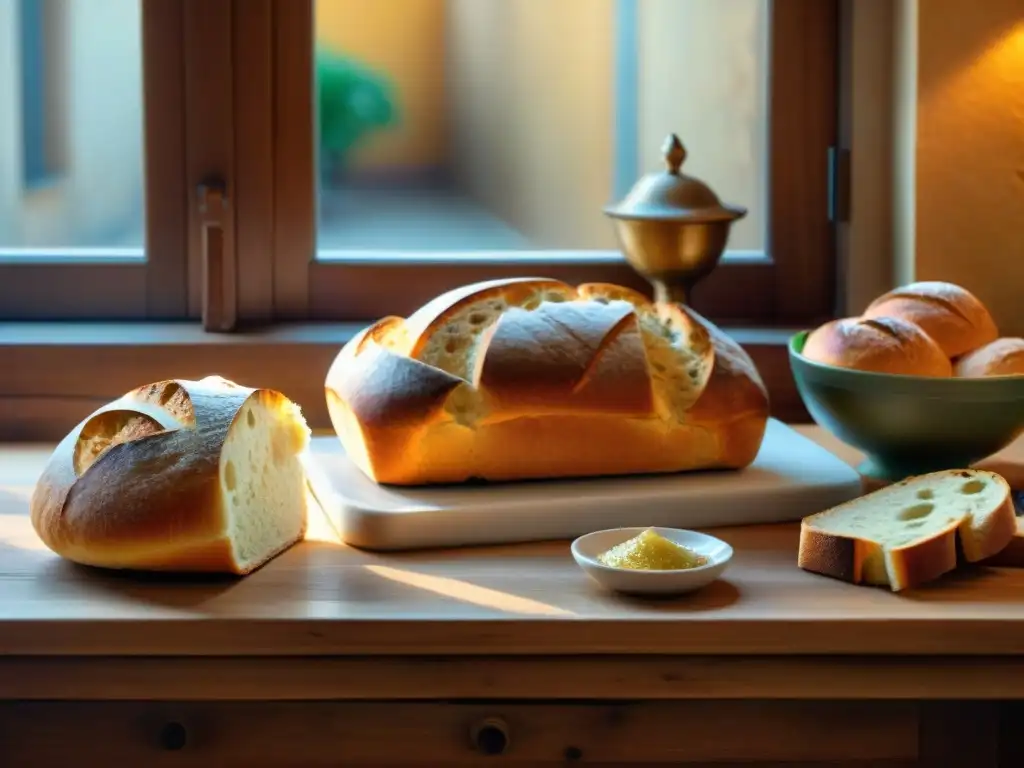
(792, 477)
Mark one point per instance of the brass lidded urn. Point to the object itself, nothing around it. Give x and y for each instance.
(672, 227)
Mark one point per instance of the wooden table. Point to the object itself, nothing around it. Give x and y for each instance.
(331, 656)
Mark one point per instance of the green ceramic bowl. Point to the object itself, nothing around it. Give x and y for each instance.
(909, 425)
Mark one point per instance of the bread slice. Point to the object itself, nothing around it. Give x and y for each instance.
(906, 534)
(178, 476)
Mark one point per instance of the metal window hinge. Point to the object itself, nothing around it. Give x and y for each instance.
(220, 272)
(838, 184)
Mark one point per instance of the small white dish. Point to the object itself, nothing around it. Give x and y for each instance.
(586, 549)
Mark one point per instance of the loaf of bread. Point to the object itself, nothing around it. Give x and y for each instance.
(879, 344)
(1002, 357)
(534, 378)
(906, 534)
(950, 314)
(178, 476)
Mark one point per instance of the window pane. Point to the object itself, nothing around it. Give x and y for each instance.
(509, 124)
(703, 73)
(71, 142)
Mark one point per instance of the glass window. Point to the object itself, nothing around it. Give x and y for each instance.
(71, 167)
(91, 122)
(469, 125)
(703, 72)
(463, 140)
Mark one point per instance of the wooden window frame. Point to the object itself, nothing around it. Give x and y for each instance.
(53, 284)
(795, 282)
(56, 373)
(257, 133)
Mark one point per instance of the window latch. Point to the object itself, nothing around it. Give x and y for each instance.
(220, 272)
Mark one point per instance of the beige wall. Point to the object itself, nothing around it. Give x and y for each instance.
(404, 39)
(965, 147)
(532, 113)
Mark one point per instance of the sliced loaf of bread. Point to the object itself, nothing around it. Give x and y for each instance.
(906, 534)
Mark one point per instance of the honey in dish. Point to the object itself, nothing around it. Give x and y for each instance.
(651, 552)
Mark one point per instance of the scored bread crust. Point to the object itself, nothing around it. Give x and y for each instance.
(138, 483)
(950, 314)
(860, 559)
(1002, 357)
(877, 344)
(534, 378)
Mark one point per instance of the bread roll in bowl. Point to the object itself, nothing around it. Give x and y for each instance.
(178, 476)
(951, 315)
(1002, 357)
(535, 378)
(878, 344)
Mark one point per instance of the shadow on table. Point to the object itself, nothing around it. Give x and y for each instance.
(973, 584)
(169, 590)
(715, 596)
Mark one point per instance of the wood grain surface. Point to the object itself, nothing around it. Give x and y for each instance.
(318, 735)
(325, 599)
(333, 656)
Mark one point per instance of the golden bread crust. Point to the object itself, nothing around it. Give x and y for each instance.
(529, 364)
(734, 402)
(433, 317)
(879, 344)
(534, 378)
(137, 484)
(1002, 357)
(950, 314)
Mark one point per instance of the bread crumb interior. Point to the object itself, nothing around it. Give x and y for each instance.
(676, 367)
(263, 481)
